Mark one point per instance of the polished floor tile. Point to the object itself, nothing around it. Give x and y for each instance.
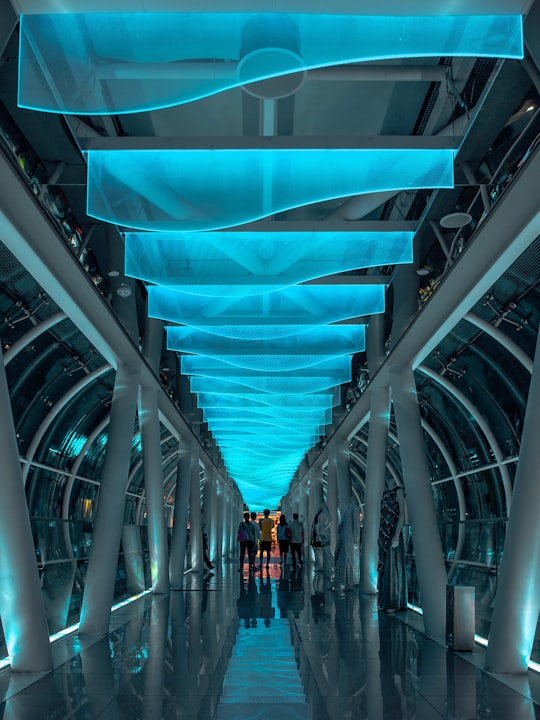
(273, 644)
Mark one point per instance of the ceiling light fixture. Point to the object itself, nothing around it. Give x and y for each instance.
(123, 290)
(455, 220)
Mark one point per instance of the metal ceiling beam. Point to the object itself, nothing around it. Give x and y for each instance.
(343, 7)
(308, 142)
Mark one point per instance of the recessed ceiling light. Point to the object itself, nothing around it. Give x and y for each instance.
(455, 220)
(123, 290)
(113, 273)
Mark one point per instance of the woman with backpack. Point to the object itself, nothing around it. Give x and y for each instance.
(283, 538)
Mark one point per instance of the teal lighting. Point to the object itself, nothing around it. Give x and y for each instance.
(113, 63)
(219, 405)
(210, 189)
(329, 340)
(199, 262)
(231, 368)
(296, 415)
(282, 435)
(271, 400)
(298, 305)
(267, 384)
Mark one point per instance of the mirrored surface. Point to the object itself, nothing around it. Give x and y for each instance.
(280, 642)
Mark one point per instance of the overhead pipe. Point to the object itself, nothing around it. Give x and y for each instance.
(228, 70)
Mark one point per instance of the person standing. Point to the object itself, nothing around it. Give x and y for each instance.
(245, 537)
(297, 540)
(266, 526)
(257, 533)
(283, 538)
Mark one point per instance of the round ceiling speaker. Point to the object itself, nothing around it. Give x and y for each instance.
(455, 220)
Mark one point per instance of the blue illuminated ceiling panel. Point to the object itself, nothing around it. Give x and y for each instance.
(271, 400)
(315, 405)
(326, 340)
(298, 305)
(210, 189)
(267, 384)
(282, 433)
(212, 367)
(101, 64)
(199, 262)
(297, 415)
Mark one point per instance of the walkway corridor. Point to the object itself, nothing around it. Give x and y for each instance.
(279, 647)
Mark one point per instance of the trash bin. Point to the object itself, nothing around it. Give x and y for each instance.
(460, 617)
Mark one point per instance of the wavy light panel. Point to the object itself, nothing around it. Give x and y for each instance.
(211, 189)
(113, 63)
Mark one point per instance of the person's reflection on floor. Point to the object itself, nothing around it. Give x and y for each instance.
(247, 603)
(284, 595)
(265, 599)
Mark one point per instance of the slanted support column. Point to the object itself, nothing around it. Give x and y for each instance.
(332, 498)
(303, 505)
(153, 469)
(343, 475)
(8, 23)
(209, 508)
(379, 418)
(195, 523)
(425, 532)
(101, 574)
(21, 601)
(517, 601)
(315, 502)
(177, 560)
(219, 524)
(153, 483)
(228, 525)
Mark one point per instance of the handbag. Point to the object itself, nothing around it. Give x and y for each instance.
(242, 535)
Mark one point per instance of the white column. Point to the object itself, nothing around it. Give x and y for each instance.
(332, 498)
(517, 601)
(425, 532)
(101, 574)
(195, 524)
(177, 561)
(21, 602)
(153, 468)
(375, 473)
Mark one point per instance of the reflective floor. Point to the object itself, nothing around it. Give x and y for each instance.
(276, 645)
